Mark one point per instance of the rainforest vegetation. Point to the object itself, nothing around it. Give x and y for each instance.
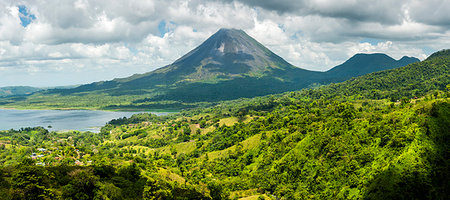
(384, 135)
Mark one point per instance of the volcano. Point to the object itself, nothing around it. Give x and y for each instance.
(228, 65)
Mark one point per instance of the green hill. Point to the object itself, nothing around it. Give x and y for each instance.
(443, 54)
(413, 80)
(361, 64)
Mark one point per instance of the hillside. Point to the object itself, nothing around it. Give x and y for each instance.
(361, 64)
(17, 90)
(228, 65)
(383, 135)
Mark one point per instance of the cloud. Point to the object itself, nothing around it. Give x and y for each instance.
(74, 42)
(384, 11)
(10, 25)
(322, 56)
(433, 12)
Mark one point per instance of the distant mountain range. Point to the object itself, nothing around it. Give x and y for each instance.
(17, 90)
(229, 65)
(27, 90)
(361, 64)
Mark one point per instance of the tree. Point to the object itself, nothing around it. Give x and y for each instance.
(28, 184)
(82, 185)
(217, 191)
(107, 191)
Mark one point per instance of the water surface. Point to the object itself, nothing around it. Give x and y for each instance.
(82, 120)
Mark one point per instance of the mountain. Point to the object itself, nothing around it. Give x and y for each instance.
(361, 64)
(228, 65)
(17, 90)
(413, 80)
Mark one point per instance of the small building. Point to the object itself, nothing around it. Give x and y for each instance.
(41, 149)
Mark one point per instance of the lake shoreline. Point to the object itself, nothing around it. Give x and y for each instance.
(93, 109)
(56, 120)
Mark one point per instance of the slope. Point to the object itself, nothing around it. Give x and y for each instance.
(17, 90)
(410, 81)
(361, 64)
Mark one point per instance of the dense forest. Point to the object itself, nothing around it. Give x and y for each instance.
(384, 135)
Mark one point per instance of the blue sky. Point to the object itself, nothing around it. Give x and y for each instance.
(50, 43)
(24, 15)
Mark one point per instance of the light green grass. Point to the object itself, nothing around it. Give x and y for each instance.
(247, 144)
(230, 121)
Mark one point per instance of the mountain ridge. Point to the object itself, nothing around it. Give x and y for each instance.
(17, 90)
(374, 62)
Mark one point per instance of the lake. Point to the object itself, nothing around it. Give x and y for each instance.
(81, 120)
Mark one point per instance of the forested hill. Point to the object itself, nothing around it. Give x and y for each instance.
(440, 54)
(379, 136)
(361, 64)
(410, 81)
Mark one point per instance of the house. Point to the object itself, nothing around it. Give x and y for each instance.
(41, 149)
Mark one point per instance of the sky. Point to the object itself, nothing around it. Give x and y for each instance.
(67, 42)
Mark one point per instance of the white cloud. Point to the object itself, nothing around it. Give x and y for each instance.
(10, 28)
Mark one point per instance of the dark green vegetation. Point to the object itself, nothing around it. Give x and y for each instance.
(361, 64)
(17, 90)
(228, 65)
(384, 135)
